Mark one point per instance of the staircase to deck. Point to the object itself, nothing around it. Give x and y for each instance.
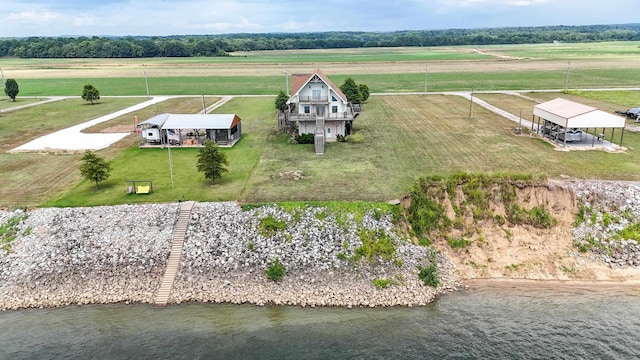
(179, 231)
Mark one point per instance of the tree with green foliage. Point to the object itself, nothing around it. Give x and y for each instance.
(364, 91)
(211, 161)
(90, 93)
(94, 167)
(11, 88)
(281, 101)
(351, 91)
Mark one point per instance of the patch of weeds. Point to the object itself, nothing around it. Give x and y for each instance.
(424, 241)
(9, 231)
(269, 226)
(606, 219)
(580, 218)
(458, 243)
(538, 216)
(321, 215)
(342, 256)
(429, 274)
(499, 219)
(375, 244)
(512, 267)
(275, 270)
(508, 234)
(567, 269)
(631, 232)
(383, 283)
(27, 231)
(594, 217)
(250, 246)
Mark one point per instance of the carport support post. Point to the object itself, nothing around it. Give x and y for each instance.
(621, 136)
(612, 131)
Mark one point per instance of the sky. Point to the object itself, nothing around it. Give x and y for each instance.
(199, 17)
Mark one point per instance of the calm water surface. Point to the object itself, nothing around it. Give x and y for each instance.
(503, 322)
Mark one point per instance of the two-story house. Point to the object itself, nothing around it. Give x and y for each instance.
(317, 106)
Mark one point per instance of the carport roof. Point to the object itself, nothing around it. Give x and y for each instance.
(575, 115)
(201, 121)
(193, 121)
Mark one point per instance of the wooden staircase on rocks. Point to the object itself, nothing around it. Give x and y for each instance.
(179, 231)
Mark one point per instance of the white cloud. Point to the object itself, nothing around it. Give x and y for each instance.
(33, 16)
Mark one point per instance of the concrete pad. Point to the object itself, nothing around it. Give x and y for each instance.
(73, 139)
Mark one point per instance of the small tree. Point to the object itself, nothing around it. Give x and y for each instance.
(351, 91)
(211, 161)
(281, 101)
(94, 168)
(11, 88)
(90, 93)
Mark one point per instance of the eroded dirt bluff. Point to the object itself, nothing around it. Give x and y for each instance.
(502, 250)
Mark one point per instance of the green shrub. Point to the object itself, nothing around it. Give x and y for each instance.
(304, 139)
(275, 270)
(269, 226)
(606, 219)
(355, 138)
(429, 275)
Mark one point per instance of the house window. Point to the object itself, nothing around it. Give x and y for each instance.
(328, 130)
(315, 94)
(333, 98)
(307, 110)
(334, 109)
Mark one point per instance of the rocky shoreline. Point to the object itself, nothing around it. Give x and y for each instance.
(118, 254)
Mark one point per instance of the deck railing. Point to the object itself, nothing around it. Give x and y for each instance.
(347, 115)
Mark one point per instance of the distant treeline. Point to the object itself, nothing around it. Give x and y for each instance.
(222, 45)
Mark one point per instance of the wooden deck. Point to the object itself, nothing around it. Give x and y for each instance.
(179, 231)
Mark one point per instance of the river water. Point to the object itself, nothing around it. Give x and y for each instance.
(505, 321)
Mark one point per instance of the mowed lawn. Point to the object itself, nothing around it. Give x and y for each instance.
(403, 138)
(406, 137)
(28, 179)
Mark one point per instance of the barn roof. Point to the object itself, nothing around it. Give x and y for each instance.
(575, 115)
(201, 121)
(298, 81)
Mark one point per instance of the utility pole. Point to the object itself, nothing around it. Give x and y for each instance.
(3, 84)
(146, 83)
(471, 106)
(566, 82)
(286, 79)
(426, 78)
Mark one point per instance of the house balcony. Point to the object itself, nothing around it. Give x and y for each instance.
(314, 99)
(346, 115)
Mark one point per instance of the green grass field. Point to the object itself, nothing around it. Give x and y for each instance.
(378, 83)
(404, 137)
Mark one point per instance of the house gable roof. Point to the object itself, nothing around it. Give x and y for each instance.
(298, 81)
